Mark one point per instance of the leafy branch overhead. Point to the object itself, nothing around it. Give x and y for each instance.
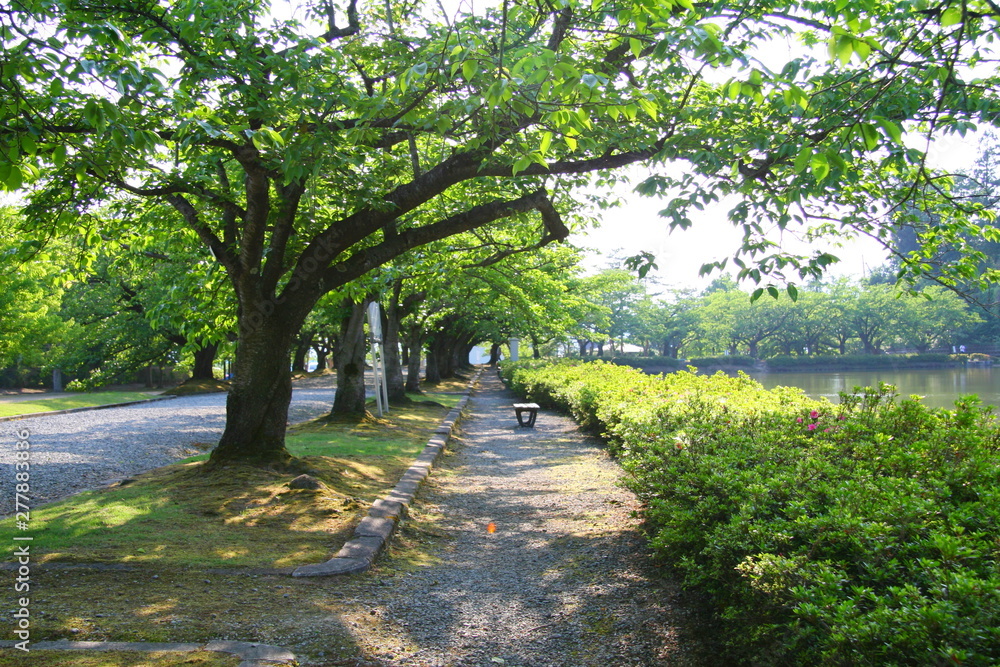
(306, 144)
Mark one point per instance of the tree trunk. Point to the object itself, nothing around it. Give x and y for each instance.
(320, 359)
(301, 353)
(414, 343)
(394, 383)
(535, 352)
(349, 360)
(494, 354)
(257, 407)
(432, 374)
(204, 362)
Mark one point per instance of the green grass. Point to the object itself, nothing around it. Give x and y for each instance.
(191, 516)
(55, 658)
(69, 402)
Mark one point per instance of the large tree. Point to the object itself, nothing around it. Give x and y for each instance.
(306, 151)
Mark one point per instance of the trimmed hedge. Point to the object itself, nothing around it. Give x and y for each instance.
(865, 533)
(864, 361)
(730, 361)
(649, 362)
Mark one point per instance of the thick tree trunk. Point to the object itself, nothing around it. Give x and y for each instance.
(464, 356)
(257, 407)
(204, 362)
(414, 343)
(349, 360)
(432, 373)
(301, 353)
(394, 383)
(494, 354)
(444, 353)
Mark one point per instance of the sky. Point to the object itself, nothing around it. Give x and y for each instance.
(636, 226)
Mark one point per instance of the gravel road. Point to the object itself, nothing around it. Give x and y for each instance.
(565, 579)
(83, 450)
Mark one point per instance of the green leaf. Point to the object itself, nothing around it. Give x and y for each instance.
(869, 135)
(951, 16)
(14, 178)
(820, 166)
(803, 159)
(543, 145)
(757, 293)
(469, 69)
(892, 129)
(793, 292)
(845, 48)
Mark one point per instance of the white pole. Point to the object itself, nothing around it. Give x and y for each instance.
(378, 362)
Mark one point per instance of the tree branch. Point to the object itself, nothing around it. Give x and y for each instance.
(365, 260)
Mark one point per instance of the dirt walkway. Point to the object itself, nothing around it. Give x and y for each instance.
(564, 579)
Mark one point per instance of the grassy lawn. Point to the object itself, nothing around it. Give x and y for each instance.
(69, 402)
(15, 658)
(186, 515)
(199, 550)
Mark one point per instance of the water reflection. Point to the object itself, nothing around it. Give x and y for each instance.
(940, 388)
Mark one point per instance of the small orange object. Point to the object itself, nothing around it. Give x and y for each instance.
(491, 527)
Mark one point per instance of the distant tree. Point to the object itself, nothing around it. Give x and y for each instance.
(305, 153)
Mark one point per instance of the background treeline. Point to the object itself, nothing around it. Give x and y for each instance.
(152, 307)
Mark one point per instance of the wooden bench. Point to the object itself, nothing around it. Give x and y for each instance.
(530, 408)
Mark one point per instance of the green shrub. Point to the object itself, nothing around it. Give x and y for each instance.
(729, 361)
(860, 361)
(864, 533)
(643, 363)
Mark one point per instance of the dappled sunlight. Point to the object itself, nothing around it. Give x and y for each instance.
(149, 610)
(231, 553)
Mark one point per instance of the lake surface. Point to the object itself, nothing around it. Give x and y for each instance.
(940, 388)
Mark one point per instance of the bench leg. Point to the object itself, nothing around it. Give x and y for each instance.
(532, 414)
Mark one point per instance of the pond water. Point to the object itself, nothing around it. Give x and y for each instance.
(940, 388)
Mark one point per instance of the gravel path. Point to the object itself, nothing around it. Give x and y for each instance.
(83, 450)
(563, 581)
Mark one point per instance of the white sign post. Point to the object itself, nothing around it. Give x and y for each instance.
(378, 363)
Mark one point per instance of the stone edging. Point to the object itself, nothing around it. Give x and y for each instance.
(252, 655)
(374, 531)
(31, 415)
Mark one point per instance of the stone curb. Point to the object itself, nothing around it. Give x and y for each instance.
(31, 415)
(252, 655)
(376, 529)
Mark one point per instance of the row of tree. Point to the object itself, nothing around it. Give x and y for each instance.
(841, 317)
(272, 156)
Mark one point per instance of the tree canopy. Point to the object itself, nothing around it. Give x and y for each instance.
(306, 149)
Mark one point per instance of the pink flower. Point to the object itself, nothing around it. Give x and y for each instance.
(814, 414)
(798, 420)
(812, 427)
